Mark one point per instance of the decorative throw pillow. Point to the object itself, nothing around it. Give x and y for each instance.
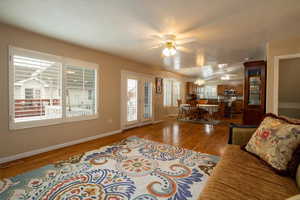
(275, 141)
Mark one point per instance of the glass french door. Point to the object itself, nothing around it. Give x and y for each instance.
(138, 100)
(147, 100)
(132, 100)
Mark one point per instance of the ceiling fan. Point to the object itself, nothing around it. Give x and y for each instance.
(171, 44)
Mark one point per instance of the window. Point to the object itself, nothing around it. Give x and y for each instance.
(29, 93)
(80, 90)
(37, 94)
(47, 89)
(208, 92)
(171, 92)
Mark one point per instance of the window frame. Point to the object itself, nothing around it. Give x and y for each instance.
(12, 50)
(173, 104)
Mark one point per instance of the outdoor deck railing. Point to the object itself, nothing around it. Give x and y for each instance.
(33, 107)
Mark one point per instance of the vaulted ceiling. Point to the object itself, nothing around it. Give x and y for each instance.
(220, 31)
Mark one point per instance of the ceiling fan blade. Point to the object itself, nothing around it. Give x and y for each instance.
(156, 37)
(156, 46)
(186, 40)
(184, 49)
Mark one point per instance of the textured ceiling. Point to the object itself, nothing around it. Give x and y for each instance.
(223, 31)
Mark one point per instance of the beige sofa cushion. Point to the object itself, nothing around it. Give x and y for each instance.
(241, 136)
(240, 175)
(296, 197)
(298, 176)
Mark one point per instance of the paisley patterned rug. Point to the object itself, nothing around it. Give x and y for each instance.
(134, 168)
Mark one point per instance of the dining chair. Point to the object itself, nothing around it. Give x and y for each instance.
(203, 114)
(193, 112)
(233, 109)
(218, 113)
(180, 109)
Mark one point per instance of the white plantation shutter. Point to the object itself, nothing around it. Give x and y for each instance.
(176, 92)
(36, 88)
(80, 91)
(147, 99)
(46, 89)
(167, 92)
(171, 92)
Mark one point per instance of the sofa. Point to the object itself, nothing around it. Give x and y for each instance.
(242, 176)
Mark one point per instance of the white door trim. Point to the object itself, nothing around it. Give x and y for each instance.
(276, 78)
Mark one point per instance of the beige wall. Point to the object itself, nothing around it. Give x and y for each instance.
(18, 141)
(278, 48)
(289, 84)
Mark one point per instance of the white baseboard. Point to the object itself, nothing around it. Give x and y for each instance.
(138, 125)
(142, 124)
(57, 146)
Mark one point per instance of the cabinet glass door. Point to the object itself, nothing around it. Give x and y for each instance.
(254, 87)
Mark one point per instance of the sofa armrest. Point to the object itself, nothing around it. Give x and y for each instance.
(240, 134)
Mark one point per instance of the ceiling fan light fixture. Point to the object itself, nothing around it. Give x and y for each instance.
(199, 82)
(222, 65)
(170, 49)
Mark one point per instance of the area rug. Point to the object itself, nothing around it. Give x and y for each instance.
(134, 168)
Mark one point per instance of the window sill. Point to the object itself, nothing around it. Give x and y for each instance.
(43, 123)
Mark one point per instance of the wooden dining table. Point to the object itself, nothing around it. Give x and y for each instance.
(210, 108)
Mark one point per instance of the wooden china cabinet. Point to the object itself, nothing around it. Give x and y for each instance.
(254, 92)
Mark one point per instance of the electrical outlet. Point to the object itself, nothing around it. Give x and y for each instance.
(110, 120)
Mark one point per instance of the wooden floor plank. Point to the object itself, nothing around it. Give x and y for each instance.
(198, 137)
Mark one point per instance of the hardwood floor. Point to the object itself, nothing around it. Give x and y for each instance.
(198, 137)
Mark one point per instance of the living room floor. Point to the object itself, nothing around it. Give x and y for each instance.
(203, 138)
